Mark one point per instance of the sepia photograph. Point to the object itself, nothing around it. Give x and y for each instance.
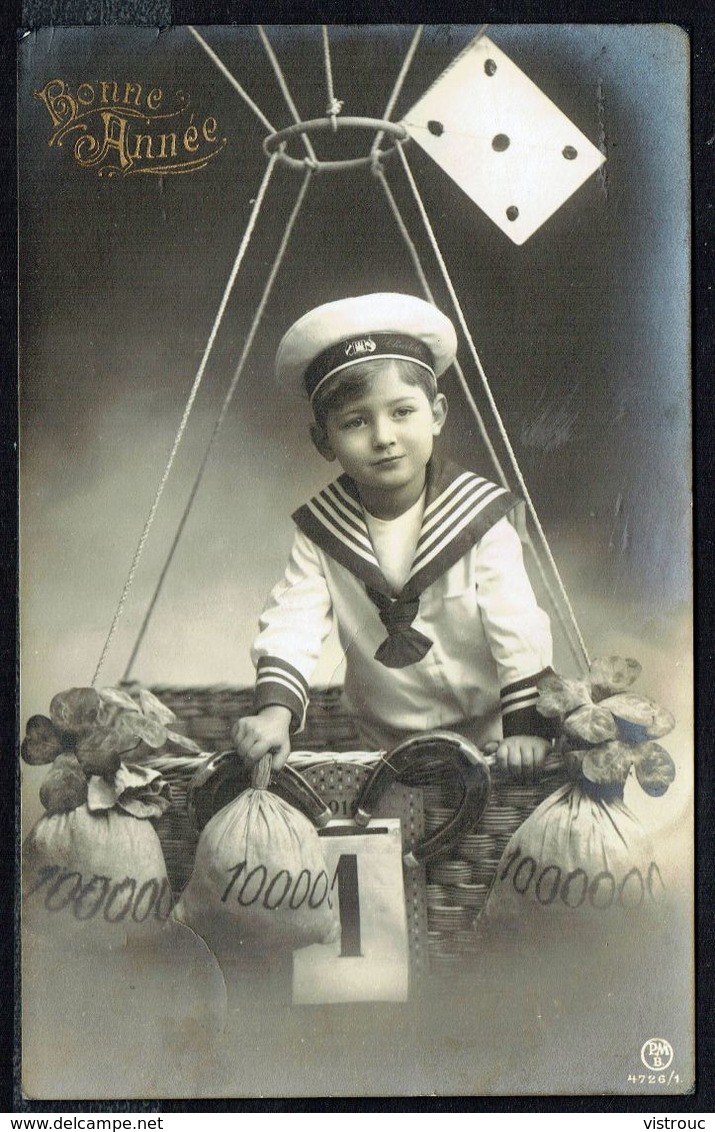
(356, 586)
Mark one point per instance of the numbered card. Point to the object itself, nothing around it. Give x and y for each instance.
(370, 961)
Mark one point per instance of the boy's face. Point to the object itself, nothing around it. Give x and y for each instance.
(383, 438)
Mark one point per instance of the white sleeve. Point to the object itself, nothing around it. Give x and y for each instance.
(518, 630)
(292, 627)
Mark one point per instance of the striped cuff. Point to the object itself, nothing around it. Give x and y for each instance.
(277, 682)
(518, 709)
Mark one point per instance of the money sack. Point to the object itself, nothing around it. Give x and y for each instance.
(95, 876)
(93, 867)
(581, 855)
(259, 882)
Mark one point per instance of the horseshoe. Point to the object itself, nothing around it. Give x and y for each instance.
(419, 761)
(225, 776)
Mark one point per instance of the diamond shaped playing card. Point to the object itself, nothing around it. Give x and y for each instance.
(503, 141)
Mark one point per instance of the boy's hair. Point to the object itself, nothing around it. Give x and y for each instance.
(345, 387)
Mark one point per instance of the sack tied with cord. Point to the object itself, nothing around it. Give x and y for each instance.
(93, 870)
(583, 856)
(259, 882)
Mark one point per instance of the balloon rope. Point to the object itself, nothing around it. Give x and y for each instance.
(234, 82)
(334, 104)
(407, 62)
(286, 92)
(219, 420)
(187, 410)
(380, 174)
(555, 604)
(493, 406)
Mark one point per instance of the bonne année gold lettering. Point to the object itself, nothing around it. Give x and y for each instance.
(127, 127)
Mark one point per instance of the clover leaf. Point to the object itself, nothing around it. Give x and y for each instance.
(608, 764)
(138, 790)
(638, 717)
(655, 770)
(606, 728)
(591, 723)
(611, 674)
(75, 709)
(154, 708)
(559, 695)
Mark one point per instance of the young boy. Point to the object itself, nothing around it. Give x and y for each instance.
(413, 558)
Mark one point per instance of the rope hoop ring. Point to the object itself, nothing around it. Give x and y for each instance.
(274, 143)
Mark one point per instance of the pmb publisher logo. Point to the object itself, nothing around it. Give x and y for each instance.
(656, 1054)
(119, 128)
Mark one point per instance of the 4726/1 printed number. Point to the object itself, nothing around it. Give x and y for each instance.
(653, 1079)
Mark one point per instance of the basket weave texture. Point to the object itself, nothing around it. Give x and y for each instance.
(457, 883)
(206, 714)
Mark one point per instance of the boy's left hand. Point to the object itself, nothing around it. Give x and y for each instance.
(522, 756)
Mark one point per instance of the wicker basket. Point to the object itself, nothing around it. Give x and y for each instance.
(206, 715)
(457, 884)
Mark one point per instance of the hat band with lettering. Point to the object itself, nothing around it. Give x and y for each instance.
(352, 351)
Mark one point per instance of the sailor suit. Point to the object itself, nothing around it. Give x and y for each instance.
(466, 640)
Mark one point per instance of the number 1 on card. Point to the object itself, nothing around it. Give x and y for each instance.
(369, 961)
(346, 874)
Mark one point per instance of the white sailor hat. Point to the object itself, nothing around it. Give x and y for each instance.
(335, 336)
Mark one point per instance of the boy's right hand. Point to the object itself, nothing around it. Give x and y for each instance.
(266, 733)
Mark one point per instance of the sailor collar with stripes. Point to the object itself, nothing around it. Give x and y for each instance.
(460, 507)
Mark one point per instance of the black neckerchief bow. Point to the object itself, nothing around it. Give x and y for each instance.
(404, 644)
(460, 507)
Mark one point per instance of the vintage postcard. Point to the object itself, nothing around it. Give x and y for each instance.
(355, 423)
